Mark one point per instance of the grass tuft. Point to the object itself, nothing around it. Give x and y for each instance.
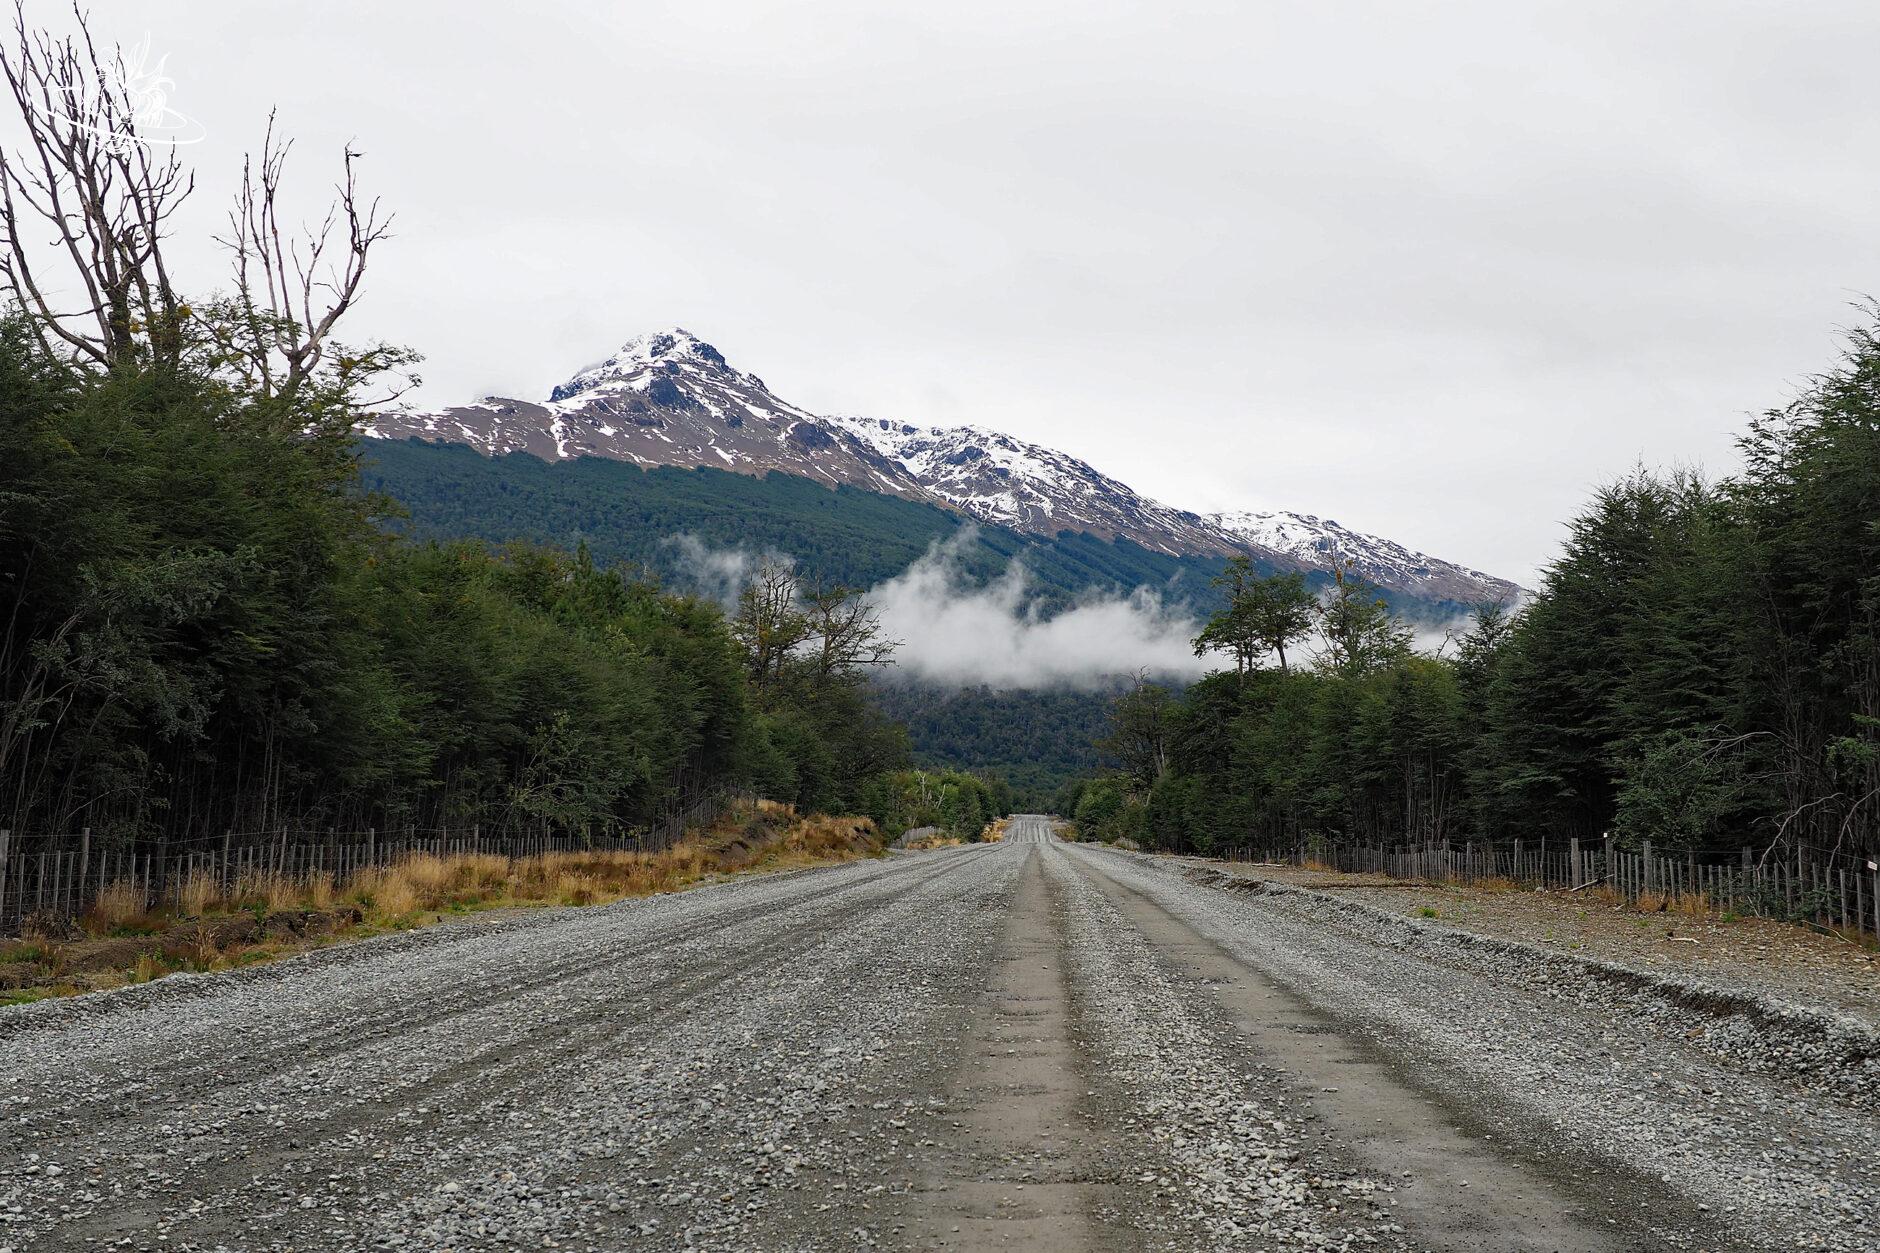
(198, 892)
(118, 906)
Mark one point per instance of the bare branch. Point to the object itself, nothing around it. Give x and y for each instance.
(291, 295)
(85, 171)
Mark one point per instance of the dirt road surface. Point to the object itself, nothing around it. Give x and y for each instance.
(1022, 1045)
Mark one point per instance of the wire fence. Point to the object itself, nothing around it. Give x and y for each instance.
(1831, 890)
(56, 877)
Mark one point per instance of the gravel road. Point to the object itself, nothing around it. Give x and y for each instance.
(1028, 1044)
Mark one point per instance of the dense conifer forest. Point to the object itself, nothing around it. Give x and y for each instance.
(1036, 741)
(1700, 668)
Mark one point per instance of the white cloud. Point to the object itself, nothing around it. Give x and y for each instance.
(717, 574)
(956, 632)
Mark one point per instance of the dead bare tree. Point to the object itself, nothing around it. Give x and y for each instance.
(769, 624)
(291, 289)
(86, 171)
(846, 630)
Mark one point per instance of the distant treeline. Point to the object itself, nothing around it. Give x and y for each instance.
(954, 801)
(1700, 668)
(1035, 741)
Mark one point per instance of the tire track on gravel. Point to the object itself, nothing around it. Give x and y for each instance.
(759, 934)
(1718, 1157)
(513, 964)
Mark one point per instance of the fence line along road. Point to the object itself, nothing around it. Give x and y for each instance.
(1835, 892)
(55, 878)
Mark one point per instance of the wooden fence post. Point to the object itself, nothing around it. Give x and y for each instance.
(57, 901)
(1575, 869)
(1873, 868)
(6, 869)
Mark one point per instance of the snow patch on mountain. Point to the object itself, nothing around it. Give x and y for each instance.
(999, 479)
(1321, 543)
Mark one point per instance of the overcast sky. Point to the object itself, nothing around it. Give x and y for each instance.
(1430, 269)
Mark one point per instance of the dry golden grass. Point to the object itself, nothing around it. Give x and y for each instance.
(261, 889)
(575, 888)
(935, 841)
(481, 871)
(429, 876)
(203, 944)
(320, 892)
(120, 904)
(995, 831)
(391, 896)
(422, 888)
(198, 892)
(1694, 904)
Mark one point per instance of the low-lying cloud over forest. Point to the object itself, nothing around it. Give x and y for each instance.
(957, 632)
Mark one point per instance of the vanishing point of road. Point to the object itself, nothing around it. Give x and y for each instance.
(1029, 1044)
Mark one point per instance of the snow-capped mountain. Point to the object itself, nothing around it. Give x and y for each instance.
(671, 399)
(667, 399)
(1320, 543)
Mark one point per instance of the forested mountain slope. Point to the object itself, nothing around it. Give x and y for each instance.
(626, 514)
(1036, 740)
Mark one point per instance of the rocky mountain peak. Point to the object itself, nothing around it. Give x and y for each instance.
(641, 360)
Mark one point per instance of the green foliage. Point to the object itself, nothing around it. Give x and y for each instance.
(1261, 616)
(1357, 629)
(1676, 790)
(1141, 723)
(1701, 669)
(205, 628)
(1108, 810)
(954, 801)
(1036, 741)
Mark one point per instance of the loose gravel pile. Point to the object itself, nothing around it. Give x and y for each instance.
(1778, 960)
(1817, 1047)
